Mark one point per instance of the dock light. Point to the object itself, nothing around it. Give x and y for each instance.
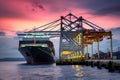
(79, 56)
(66, 52)
(83, 56)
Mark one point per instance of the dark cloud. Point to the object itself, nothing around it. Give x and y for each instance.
(37, 6)
(8, 47)
(97, 7)
(55, 6)
(106, 7)
(115, 29)
(98, 4)
(41, 7)
(7, 11)
(100, 7)
(2, 33)
(113, 10)
(116, 33)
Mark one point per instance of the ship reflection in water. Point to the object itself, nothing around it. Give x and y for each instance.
(21, 71)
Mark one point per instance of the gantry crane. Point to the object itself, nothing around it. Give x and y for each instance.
(75, 34)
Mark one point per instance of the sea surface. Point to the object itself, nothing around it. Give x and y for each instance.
(22, 71)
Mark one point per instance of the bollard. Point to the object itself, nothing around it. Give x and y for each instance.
(99, 65)
(92, 64)
(111, 67)
(86, 63)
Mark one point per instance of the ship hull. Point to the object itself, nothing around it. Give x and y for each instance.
(37, 55)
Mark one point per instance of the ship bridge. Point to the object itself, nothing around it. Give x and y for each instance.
(75, 34)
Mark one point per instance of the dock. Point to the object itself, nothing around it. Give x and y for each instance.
(111, 65)
(75, 35)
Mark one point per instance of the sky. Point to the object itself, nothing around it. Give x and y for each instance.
(24, 15)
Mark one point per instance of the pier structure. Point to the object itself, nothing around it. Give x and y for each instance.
(75, 34)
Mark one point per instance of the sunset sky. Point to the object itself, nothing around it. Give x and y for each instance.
(23, 15)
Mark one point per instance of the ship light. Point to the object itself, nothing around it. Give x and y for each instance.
(22, 45)
(35, 36)
(42, 45)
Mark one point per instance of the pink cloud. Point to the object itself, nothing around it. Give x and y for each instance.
(25, 14)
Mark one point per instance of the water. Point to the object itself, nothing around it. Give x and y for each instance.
(22, 71)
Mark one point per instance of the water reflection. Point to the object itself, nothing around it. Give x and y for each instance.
(19, 71)
(39, 72)
(79, 73)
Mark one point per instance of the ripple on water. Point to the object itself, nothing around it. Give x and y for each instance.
(20, 71)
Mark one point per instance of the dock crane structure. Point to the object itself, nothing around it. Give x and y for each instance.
(75, 34)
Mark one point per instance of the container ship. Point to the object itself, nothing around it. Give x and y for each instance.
(37, 51)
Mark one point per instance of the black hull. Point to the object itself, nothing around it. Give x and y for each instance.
(37, 55)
